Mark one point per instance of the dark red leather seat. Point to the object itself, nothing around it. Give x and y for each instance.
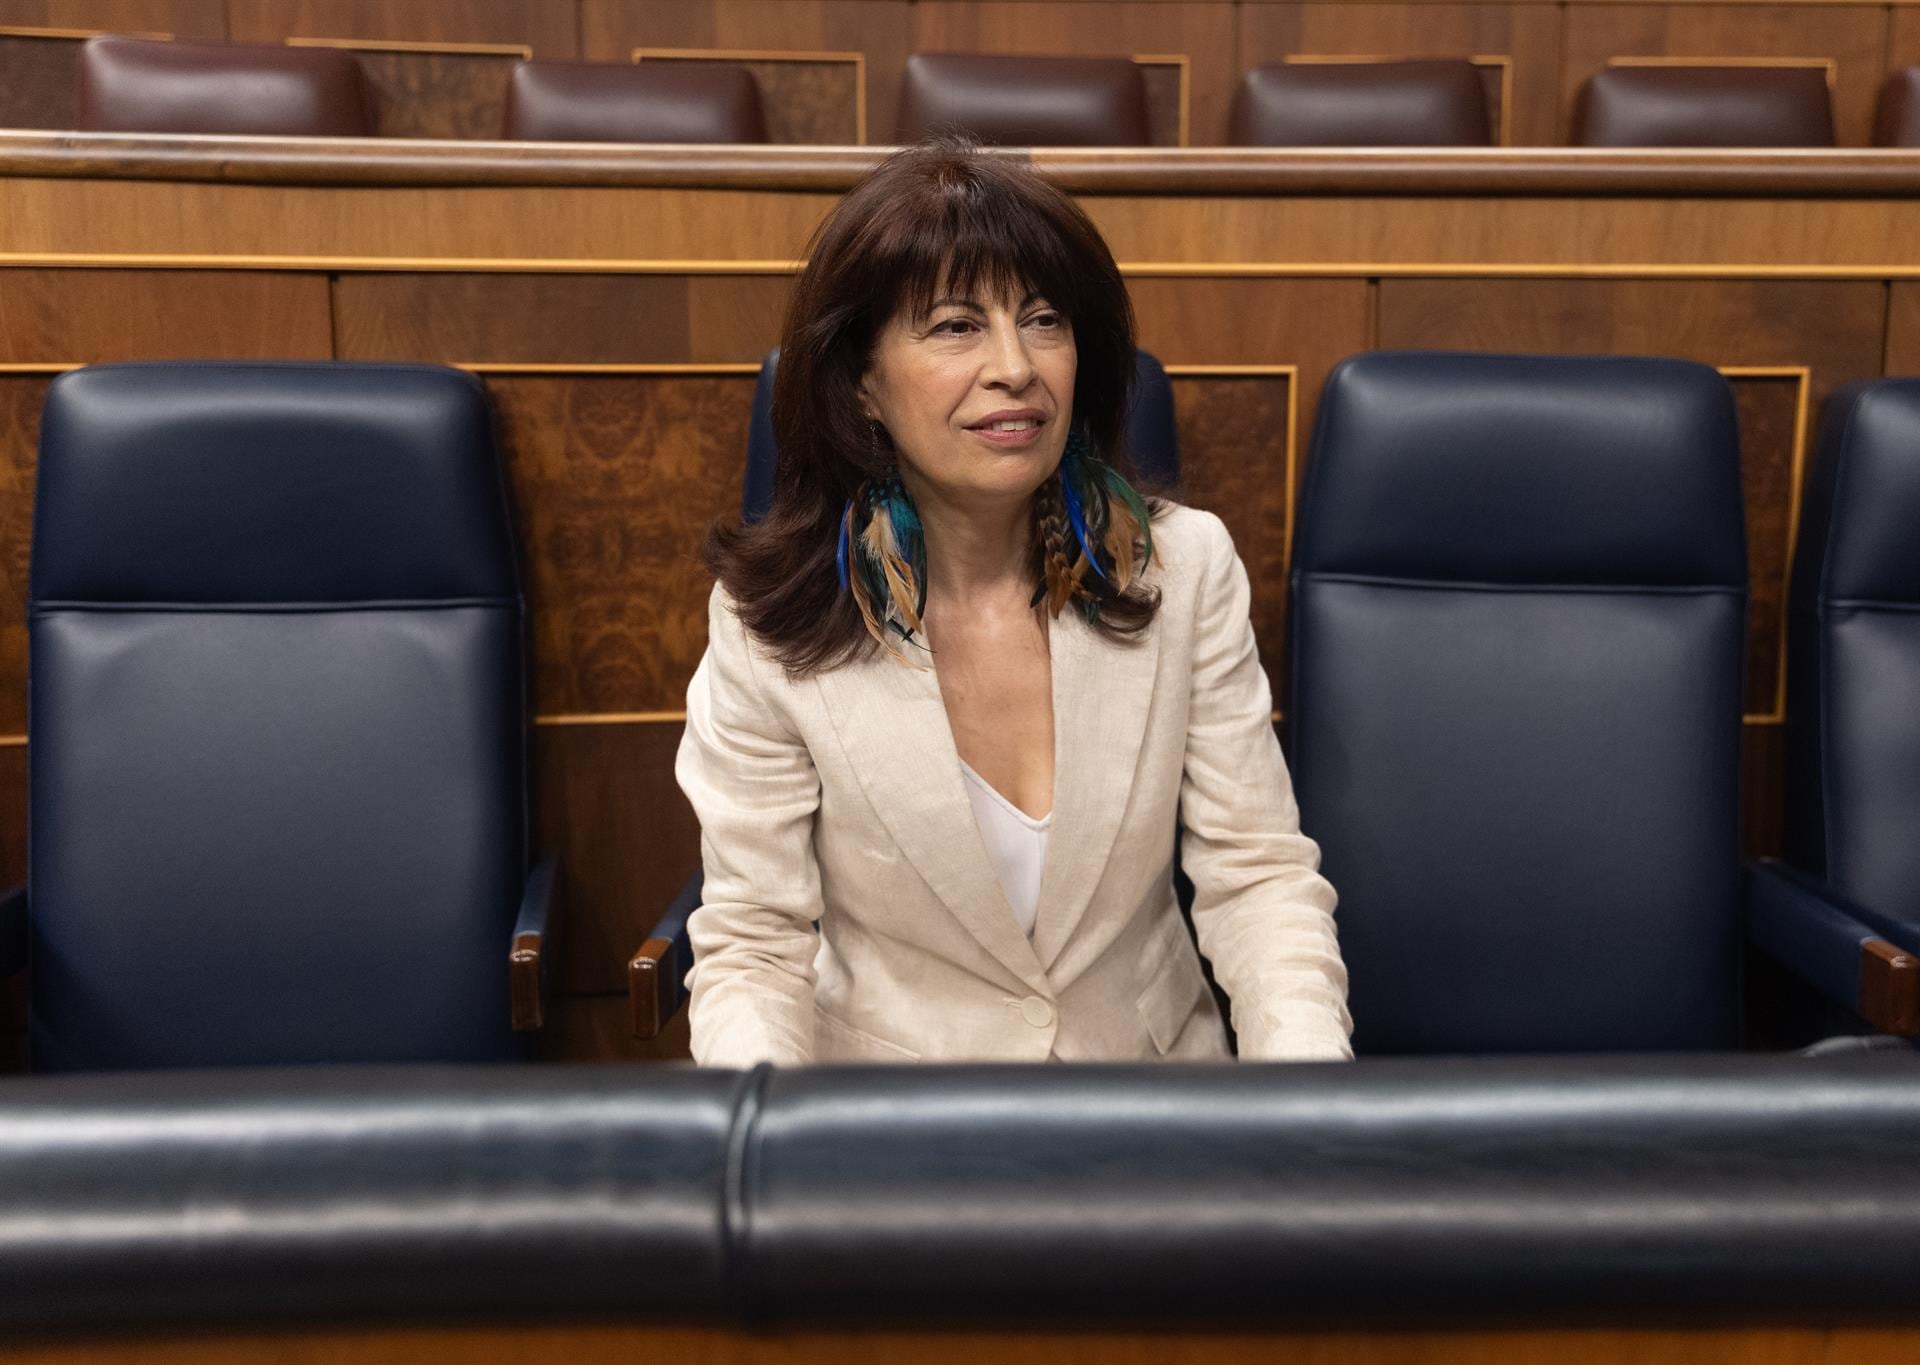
(1025, 101)
(1705, 106)
(141, 85)
(1362, 104)
(647, 101)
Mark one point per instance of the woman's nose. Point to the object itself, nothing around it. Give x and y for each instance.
(1007, 358)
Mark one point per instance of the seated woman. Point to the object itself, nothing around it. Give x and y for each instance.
(964, 684)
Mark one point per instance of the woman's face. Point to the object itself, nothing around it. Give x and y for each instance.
(943, 383)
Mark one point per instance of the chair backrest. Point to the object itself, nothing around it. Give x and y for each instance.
(139, 85)
(1853, 652)
(277, 718)
(1152, 441)
(1705, 106)
(1362, 104)
(1517, 625)
(1896, 120)
(1024, 101)
(648, 101)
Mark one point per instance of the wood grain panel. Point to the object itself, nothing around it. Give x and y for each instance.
(550, 29)
(735, 317)
(1762, 789)
(616, 478)
(456, 318)
(21, 397)
(1854, 36)
(1310, 324)
(1903, 328)
(605, 800)
(438, 94)
(611, 29)
(1234, 442)
(1834, 328)
(1168, 108)
(599, 1028)
(1903, 37)
(200, 19)
(623, 1343)
(807, 100)
(1201, 31)
(13, 815)
(38, 82)
(1528, 34)
(85, 316)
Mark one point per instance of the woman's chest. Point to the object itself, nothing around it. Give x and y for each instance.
(998, 697)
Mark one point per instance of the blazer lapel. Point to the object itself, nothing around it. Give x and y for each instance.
(893, 727)
(894, 730)
(1102, 693)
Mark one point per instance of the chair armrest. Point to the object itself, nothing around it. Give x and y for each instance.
(13, 931)
(1851, 955)
(657, 975)
(528, 959)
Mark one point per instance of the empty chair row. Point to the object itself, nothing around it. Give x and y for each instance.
(141, 85)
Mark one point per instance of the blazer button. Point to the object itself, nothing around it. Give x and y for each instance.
(1036, 1011)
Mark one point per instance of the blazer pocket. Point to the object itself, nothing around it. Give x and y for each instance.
(1173, 988)
(853, 1042)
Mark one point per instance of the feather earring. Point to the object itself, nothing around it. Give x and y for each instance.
(881, 559)
(1106, 517)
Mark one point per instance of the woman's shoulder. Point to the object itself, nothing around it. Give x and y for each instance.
(1186, 540)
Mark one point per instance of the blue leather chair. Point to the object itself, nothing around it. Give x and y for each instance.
(1517, 637)
(277, 804)
(1152, 440)
(656, 972)
(1853, 712)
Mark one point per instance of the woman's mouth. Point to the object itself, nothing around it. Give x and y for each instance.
(1011, 434)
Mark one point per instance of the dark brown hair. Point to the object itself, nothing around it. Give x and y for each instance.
(941, 212)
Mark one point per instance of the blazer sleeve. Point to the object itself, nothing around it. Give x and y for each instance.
(752, 782)
(1261, 910)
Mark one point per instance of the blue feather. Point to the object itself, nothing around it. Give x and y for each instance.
(1077, 521)
(840, 551)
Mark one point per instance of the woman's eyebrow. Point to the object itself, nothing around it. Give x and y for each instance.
(973, 304)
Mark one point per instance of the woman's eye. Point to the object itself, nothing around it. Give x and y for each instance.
(1046, 319)
(952, 322)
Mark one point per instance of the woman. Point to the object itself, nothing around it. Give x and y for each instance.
(961, 675)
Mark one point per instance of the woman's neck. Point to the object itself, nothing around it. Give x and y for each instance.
(976, 552)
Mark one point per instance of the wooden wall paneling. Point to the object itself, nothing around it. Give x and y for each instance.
(599, 1028)
(810, 98)
(85, 316)
(1903, 38)
(437, 70)
(549, 27)
(1903, 328)
(1526, 36)
(205, 20)
(21, 396)
(565, 1343)
(610, 30)
(1853, 37)
(615, 478)
(1199, 30)
(1169, 83)
(40, 76)
(1239, 454)
(606, 802)
(436, 90)
(1248, 358)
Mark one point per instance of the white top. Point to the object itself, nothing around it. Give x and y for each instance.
(1016, 842)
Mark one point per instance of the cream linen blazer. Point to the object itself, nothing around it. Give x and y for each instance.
(850, 910)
